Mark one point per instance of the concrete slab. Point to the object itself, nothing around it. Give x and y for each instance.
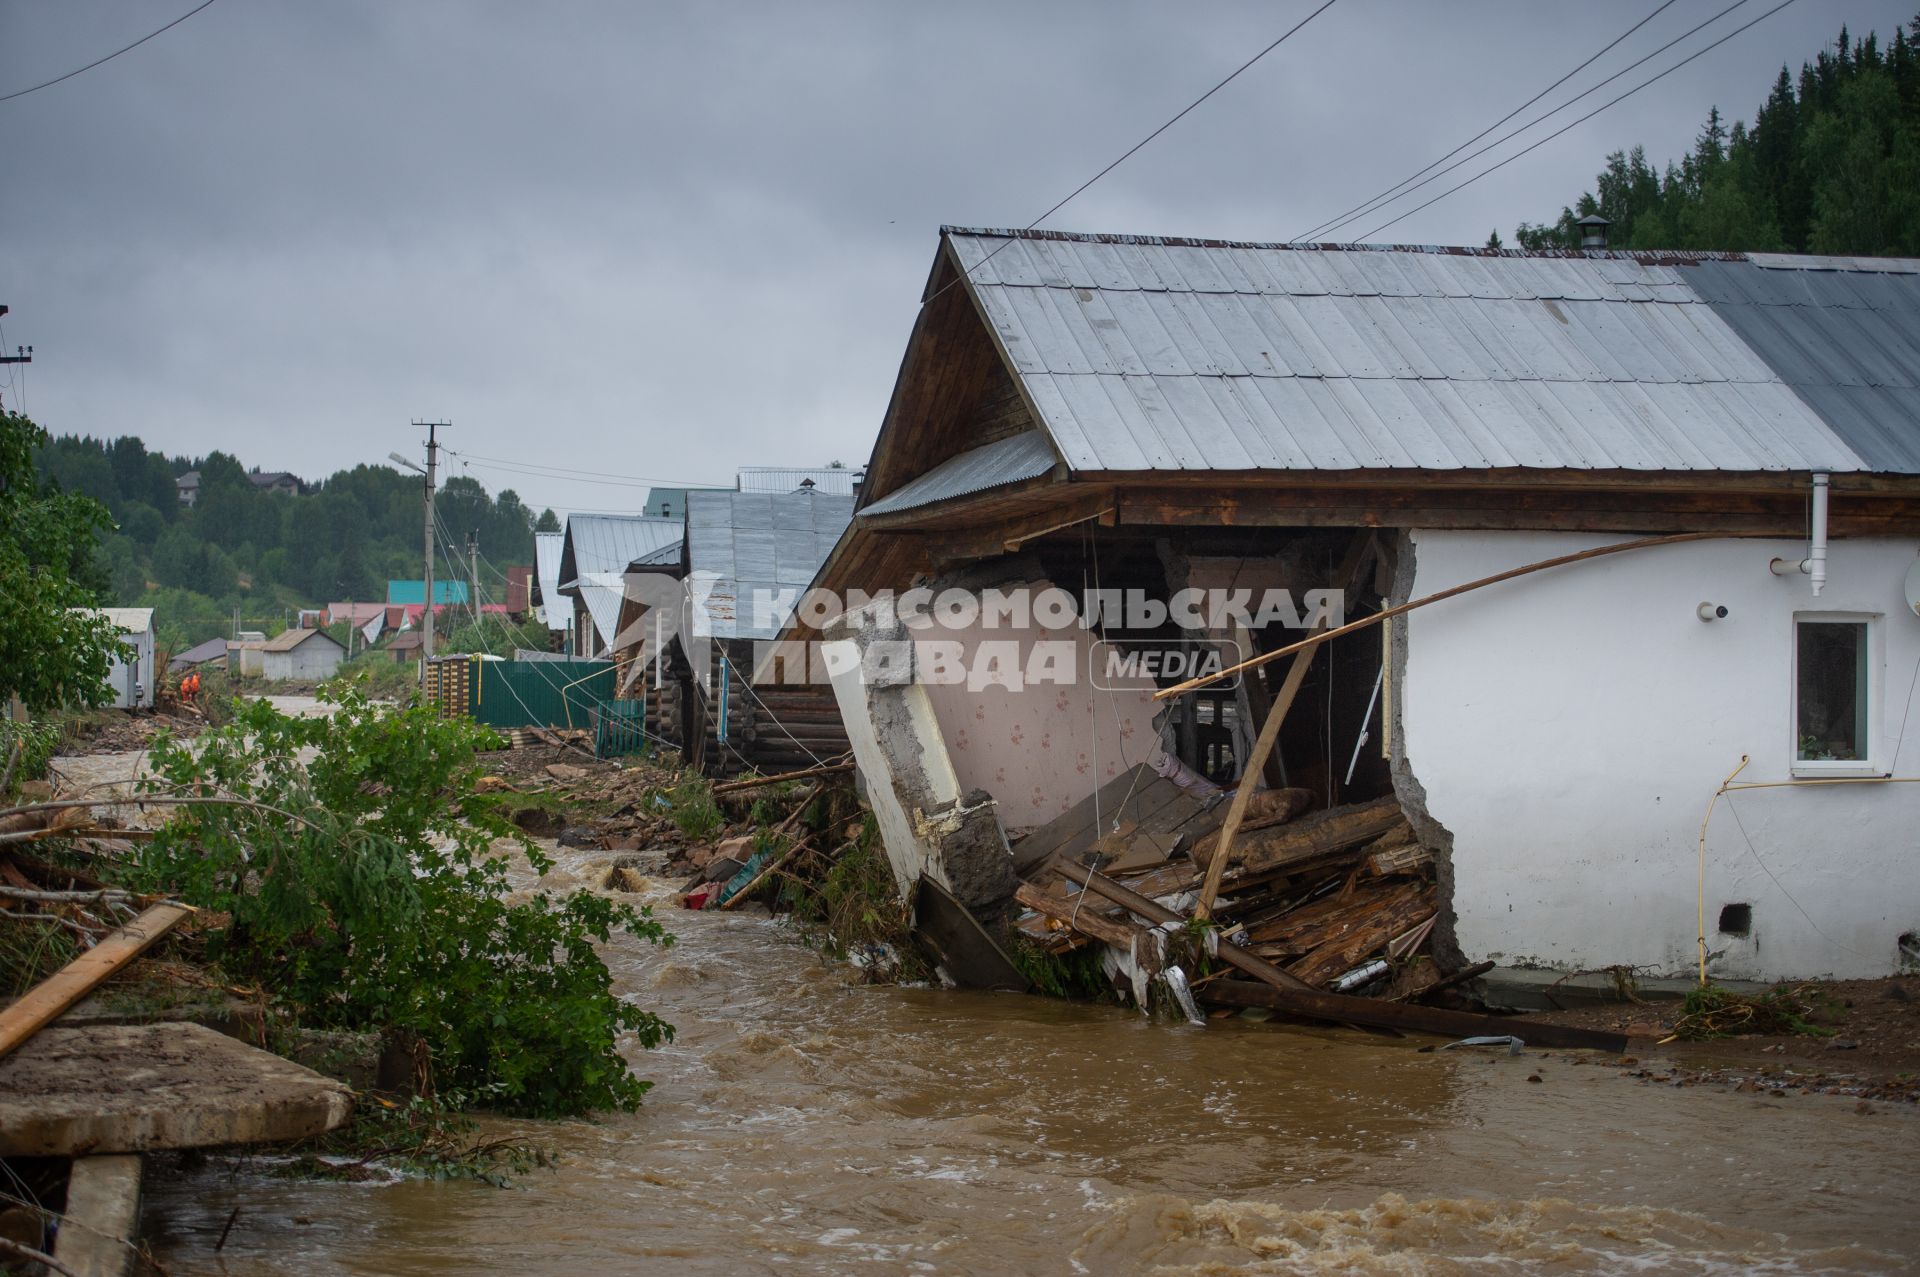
(131, 1088)
(103, 1212)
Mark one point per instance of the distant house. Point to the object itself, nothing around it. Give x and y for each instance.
(213, 652)
(593, 563)
(670, 503)
(404, 647)
(519, 589)
(187, 486)
(414, 593)
(274, 481)
(838, 481)
(551, 606)
(130, 676)
(301, 654)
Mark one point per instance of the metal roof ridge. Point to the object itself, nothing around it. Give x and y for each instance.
(1650, 256)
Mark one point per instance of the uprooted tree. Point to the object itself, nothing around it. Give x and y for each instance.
(353, 869)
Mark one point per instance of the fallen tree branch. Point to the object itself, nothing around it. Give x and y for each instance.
(805, 773)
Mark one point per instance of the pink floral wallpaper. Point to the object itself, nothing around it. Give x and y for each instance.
(1046, 747)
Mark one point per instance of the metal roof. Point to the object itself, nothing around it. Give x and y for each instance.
(834, 480)
(1026, 455)
(547, 549)
(214, 649)
(742, 543)
(1150, 354)
(128, 620)
(603, 544)
(666, 556)
(1843, 332)
(287, 640)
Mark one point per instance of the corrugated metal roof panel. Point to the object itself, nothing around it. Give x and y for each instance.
(740, 544)
(547, 550)
(129, 620)
(1148, 354)
(837, 480)
(1027, 455)
(1844, 333)
(599, 545)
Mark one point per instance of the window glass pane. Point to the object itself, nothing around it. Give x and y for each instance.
(1832, 671)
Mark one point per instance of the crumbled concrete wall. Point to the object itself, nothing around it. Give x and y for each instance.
(1433, 835)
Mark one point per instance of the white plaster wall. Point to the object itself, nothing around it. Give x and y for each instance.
(131, 680)
(1570, 727)
(313, 659)
(913, 742)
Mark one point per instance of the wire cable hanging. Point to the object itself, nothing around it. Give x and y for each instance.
(1391, 193)
(47, 84)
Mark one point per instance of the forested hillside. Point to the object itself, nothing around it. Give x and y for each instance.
(1830, 164)
(262, 552)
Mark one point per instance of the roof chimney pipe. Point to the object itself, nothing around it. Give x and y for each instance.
(1593, 231)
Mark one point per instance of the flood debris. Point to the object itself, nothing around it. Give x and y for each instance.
(1317, 909)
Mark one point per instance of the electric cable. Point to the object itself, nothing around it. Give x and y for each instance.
(1582, 120)
(47, 84)
(1130, 151)
(1389, 195)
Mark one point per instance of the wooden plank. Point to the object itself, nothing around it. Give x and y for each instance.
(1157, 913)
(1088, 920)
(52, 996)
(1324, 833)
(1251, 771)
(1285, 992)
(1149, 793)
(1405, 1015)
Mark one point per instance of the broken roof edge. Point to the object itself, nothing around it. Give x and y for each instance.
(1014, 459)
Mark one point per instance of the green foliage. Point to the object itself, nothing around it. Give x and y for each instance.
(369, 890)
(337, 541)
(695, 813)
(431, 1138)
(1713, 1012)
(855, 906)
(27, 747)
(49, 654)
(1077, 973)
(380, 677)
(1831, 164)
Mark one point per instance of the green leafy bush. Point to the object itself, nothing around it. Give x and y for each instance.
(27, 747)
(368, 890)
(695, 813)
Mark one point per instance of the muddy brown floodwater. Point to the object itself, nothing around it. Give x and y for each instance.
(802, 1123)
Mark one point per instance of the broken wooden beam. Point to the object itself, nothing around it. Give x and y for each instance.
(1155, 912)
(1407, 1015)
(805, 773)
(1284, 992)
(59, 991)
(1324, 833)
(1085, 919)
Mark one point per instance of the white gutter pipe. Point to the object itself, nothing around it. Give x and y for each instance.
(1814, 566)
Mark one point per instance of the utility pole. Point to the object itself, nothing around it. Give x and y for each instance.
(473, 573)
(426, 634)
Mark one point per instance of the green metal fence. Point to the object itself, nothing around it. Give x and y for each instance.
(619, 728)
(508, 694)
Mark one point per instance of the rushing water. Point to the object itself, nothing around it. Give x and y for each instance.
(803, 1123)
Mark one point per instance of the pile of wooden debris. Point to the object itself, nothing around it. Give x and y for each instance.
(1318, 909)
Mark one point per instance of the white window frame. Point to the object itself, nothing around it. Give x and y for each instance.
(1815, 768)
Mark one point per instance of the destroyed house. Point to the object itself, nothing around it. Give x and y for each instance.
(1374, 426)
(698, 615)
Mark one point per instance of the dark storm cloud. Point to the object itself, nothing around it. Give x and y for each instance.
(667, 241)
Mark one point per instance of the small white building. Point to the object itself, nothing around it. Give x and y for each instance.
(300, 655)
(130, 677)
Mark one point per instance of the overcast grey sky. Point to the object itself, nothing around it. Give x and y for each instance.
(663, 241)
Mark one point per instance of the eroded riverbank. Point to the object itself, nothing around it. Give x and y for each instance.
(804, 1123)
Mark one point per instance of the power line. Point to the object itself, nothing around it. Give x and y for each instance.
(546, 471)
(1582, 120)
(1548, 115)
(20, 93)
(1368, 205)
(1132, 150)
